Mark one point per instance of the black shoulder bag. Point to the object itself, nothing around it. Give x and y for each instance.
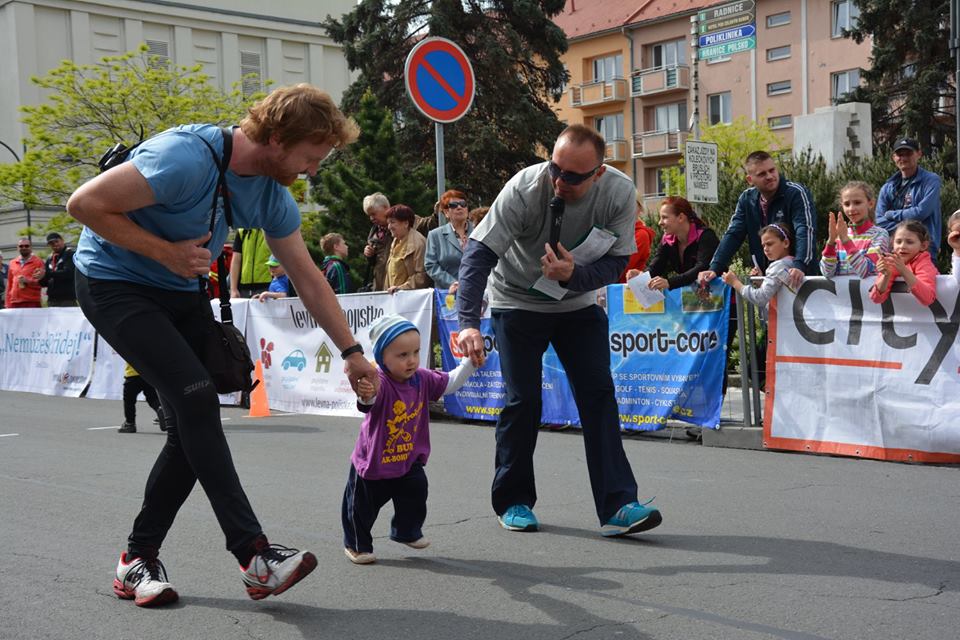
(226, 355)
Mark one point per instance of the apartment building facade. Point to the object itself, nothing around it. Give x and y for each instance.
(632, 76)
(229, 38)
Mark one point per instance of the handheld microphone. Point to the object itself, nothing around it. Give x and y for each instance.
(556, 206)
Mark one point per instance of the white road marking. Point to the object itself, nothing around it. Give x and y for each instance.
(222, 419)
(7, 435)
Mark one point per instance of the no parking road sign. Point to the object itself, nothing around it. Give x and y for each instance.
(439, 79)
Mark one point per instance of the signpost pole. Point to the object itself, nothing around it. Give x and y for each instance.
(694, 59)
(955, 50)
(441, 170)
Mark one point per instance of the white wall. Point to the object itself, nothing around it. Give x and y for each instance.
(834, 132)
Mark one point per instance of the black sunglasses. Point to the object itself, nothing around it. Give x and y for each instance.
(571, 177)
(453, 204)
(23, 246)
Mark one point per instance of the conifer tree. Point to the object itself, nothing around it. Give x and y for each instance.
(370, 164)
(911, 69)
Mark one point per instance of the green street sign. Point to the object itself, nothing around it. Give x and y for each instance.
(727, 48)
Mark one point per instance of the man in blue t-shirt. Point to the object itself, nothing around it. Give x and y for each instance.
(140, 262)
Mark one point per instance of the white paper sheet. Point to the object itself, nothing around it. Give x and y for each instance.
(646, 297)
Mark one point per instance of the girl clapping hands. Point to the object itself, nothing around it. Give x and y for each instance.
(910, 261)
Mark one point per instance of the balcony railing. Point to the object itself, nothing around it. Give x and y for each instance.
(598, 92)
(616, 150)
(658, 143)
(647, 82)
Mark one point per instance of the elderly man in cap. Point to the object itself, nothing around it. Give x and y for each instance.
(912, 193)
(58, 273)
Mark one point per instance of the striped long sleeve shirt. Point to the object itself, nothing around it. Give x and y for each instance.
(859, 255)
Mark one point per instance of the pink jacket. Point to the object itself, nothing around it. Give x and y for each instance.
(925, 290)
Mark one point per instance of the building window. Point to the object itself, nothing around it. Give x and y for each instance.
(778, 53)
(778, 88)
(778, 19)
(610, 126)
(780, 122)
(670, 117)
(158, 54)
(667, 54)
(843, 82)
(844, 14)
(662, 183)
(608, 68)
(250, 73)
(718, 108)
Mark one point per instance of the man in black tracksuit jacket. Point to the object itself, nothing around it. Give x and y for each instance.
(770, 199)
(58, 278)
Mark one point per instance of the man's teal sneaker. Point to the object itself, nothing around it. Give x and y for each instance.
(519, 517)
(632, 518)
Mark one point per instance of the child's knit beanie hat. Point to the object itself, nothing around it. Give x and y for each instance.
(385, 330)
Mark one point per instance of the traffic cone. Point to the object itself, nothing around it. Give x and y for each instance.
(259, 407)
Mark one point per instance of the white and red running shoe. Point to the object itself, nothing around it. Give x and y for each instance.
(275, 569)
(143, 581)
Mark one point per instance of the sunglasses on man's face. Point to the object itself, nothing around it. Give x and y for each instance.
(453, 204)
(23, 246)
(570, 177)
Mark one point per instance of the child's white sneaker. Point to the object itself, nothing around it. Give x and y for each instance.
(422, 543)
(359, 557)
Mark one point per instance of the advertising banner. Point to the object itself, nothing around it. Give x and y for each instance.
(302, 368)
(852, 377)
(47, 351)
(668, 359)
(667, 362)
(483, 395)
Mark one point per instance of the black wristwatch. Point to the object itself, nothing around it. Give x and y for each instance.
(349, 351)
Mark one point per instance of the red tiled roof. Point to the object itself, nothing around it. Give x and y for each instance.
(580, 18)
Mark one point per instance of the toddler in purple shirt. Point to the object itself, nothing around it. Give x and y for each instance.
(394, 441)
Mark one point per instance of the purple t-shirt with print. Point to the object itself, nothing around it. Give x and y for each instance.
(395, 434)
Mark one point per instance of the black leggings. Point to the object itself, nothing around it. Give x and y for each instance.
(159, 333)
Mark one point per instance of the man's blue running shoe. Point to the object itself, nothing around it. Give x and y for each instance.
(632, 518)
(519, 517)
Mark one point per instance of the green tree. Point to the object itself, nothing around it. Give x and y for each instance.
(911, 69)
(515, 51)
(735, 141)
(92, 107)
(370, 164)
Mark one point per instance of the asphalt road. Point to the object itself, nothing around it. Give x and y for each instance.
(754, 544)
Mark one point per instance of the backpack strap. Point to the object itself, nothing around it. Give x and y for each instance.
(221, 191)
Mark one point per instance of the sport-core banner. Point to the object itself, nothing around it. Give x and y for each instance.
(667, 361)
(852, 377)
(302, 368)
(47, 351)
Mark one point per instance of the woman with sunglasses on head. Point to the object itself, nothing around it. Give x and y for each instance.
(445, 244)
